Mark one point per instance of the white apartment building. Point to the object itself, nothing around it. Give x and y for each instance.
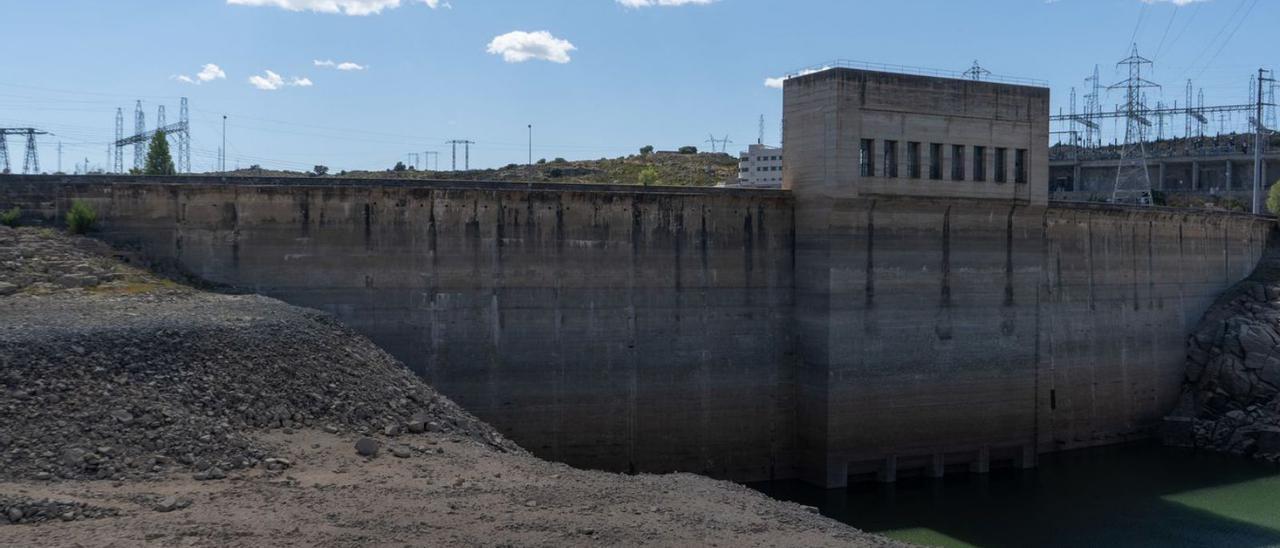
(760, 167)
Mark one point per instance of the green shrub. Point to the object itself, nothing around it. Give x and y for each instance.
(81, 218)
(1273, 199)
(10, 218)
(648, 176)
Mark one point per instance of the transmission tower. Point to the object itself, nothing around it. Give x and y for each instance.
(427, 159)
(1187, 131)
(184, 137)
(976, 72)
(1133, 179)
(181, 131)
(1200, 109)
(117, 153)
(1270, 118)
(466, 151)
(139, 127)
(31, 161)
(1092, 108)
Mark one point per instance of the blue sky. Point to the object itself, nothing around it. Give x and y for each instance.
(665, 75)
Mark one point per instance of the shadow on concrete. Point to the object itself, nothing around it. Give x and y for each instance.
(1117, 496)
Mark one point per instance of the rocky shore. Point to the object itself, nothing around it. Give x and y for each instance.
(142, 412)
(1231, 396)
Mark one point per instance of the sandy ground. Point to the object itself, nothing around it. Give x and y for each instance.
(448, 492)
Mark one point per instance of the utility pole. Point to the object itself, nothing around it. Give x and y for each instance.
(60, 157)
(531, 150)
(223, 159)
(1258, 131)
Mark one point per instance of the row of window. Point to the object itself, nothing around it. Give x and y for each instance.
(867, 162)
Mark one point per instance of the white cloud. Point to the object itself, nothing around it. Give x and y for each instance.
(345, 7)
(776, 83)
(208, 73)
(270, 81)
(519, 46)
(345, 65)
(663, 3)
(1174, 2)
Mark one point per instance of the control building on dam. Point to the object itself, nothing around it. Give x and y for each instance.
(911, 303)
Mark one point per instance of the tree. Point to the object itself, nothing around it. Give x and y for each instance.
(320, 171)
(399, 167)
(648, 176)
(559, 160)
(646, 150)
(159, 162)
(688, 150)
(1273, 199)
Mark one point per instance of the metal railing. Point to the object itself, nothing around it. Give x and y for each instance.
(917, 71)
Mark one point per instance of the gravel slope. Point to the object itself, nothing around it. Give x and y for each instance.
(141, 412)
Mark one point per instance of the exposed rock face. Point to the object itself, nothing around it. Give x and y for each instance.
(1231, 399)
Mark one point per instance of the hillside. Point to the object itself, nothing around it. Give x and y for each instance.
(703, 169)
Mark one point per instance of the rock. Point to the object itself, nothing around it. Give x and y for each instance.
(401, 451)
(391, 430)
(7, 289)
(418, 423)
(169, 504)
(367, 447)
(215, 473)
(15, 515)
(122, 415)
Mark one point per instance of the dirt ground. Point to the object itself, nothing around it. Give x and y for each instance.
(448, 492)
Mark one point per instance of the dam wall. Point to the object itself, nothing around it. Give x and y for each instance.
(741, 334)
(616, 328)
(938, 335)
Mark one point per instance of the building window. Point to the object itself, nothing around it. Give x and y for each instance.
(1002, 168)
(957, 162)
(935, 161)
(866, 158)
(979, 163)
(1020, 166)
(890, 158)
(913, 160)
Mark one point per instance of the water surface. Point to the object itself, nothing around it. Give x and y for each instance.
(1134, 495)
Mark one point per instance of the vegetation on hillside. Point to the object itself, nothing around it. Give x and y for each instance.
(655, 168)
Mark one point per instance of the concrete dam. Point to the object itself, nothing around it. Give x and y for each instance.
(859, 324)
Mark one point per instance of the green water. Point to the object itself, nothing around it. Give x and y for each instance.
(1137, 495)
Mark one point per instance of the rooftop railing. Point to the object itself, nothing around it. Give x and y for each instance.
(919, 71)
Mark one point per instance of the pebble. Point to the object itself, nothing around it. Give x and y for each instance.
(401, 452)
